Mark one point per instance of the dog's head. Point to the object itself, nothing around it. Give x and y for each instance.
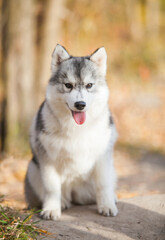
(75, 80)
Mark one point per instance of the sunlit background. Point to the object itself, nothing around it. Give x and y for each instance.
(133, 33)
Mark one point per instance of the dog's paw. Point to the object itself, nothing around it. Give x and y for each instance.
(53, 214)
(108, 211)
(65, 204)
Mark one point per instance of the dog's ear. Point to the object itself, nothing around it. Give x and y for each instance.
(58, 56)
(100, 58)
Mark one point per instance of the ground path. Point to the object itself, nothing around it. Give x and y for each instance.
(141, 192)
(138, 218)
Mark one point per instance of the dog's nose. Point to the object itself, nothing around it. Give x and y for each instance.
(80, 105)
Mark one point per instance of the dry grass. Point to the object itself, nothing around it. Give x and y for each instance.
(13, 227)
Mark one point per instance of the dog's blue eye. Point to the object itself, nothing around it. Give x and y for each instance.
(68, 85)
(89, 85)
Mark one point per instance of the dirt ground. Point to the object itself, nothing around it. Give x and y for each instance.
(138, 218)
(141, 193)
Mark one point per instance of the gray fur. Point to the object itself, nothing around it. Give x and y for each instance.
(79, 66)
(111, 121)
(30, 196)
(35, 160)
(39, 120)
(79, 63)
(39, 147)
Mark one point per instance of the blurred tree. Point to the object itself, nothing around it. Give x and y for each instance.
(18, 46)
(153, 16)
(143, 17)
(133, 32)
(51, 13)
(135, 11)
(24, 62)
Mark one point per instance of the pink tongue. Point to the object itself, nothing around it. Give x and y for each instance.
(79, 117)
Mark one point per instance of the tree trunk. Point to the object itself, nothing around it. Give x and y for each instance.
(153, 17)
(50, 36)
(136, 19)
(18, 53)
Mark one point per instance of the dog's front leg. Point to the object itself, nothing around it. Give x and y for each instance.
(52, 193)
(105, 180)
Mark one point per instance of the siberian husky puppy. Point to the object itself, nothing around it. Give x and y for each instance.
(72, 138)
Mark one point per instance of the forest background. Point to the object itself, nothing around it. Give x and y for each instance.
(133, 33)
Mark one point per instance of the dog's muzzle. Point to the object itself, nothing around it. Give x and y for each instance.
(80, 105)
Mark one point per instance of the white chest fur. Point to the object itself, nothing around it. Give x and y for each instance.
(75, 154)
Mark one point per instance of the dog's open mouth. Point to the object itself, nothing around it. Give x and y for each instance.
(79, 117)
